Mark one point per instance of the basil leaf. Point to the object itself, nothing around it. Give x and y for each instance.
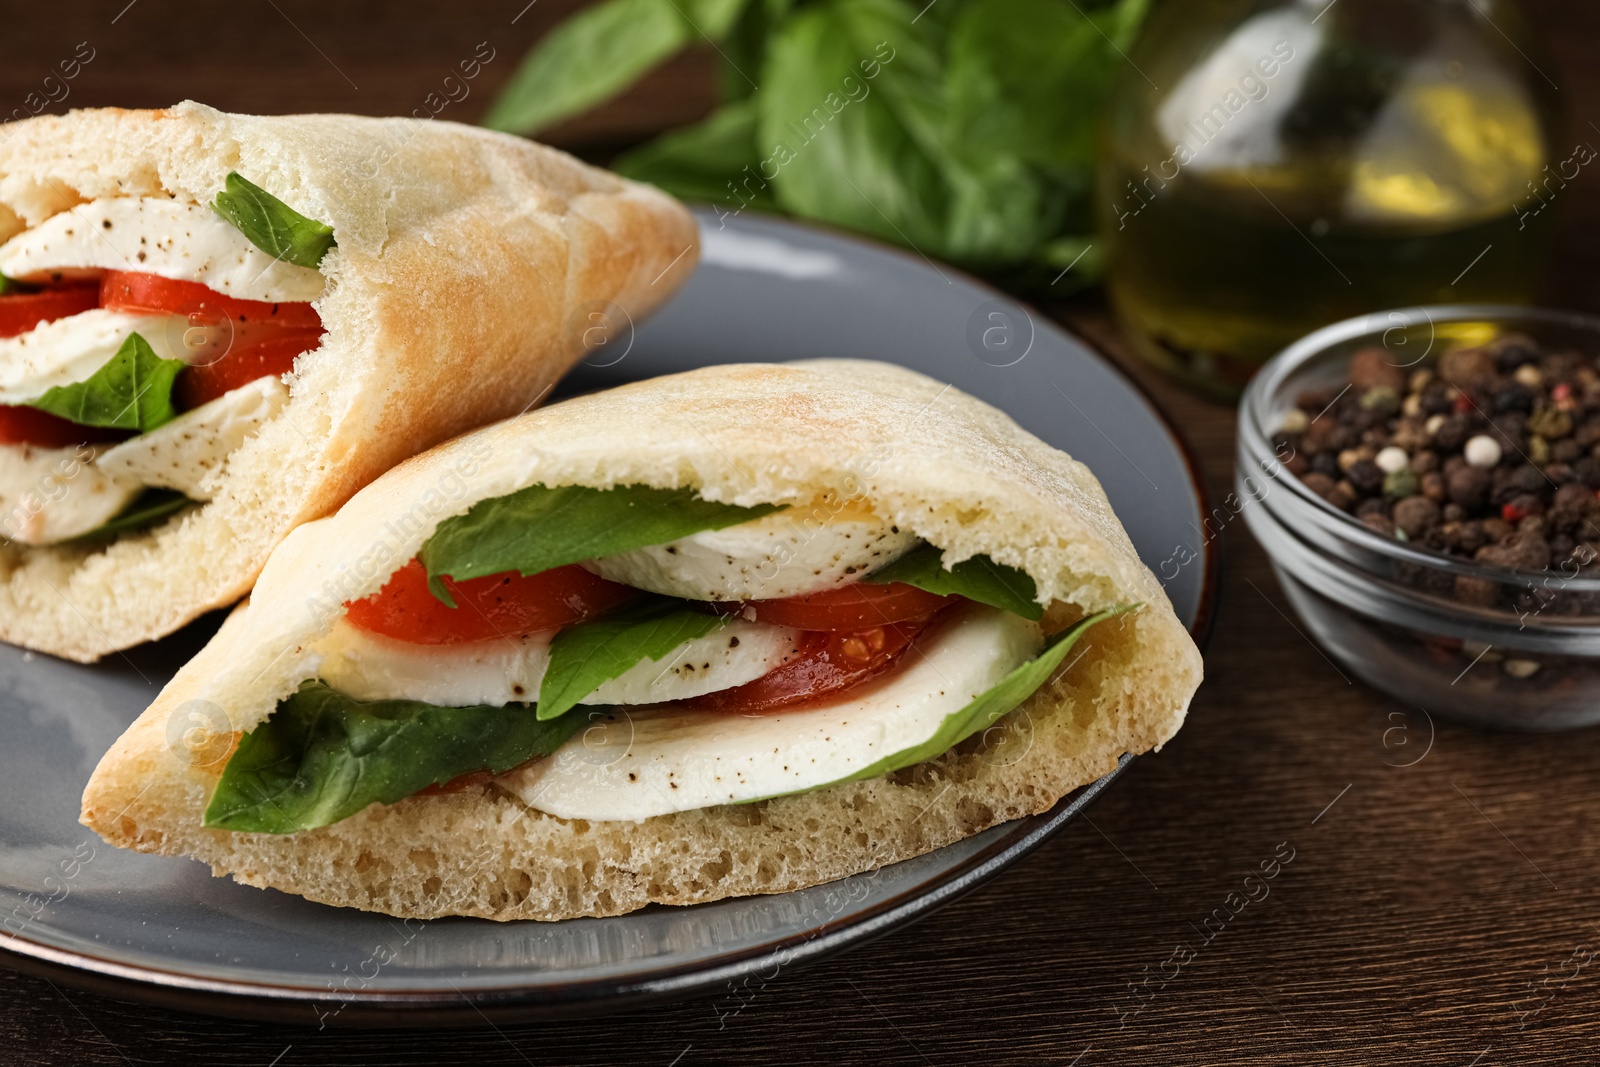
(132, 391)
(877, 154)
(9, 285)
(712, 18)
(1013, 66)
(584, 656)
(979, 578)
(271, 225)
(869, 163)
(144, 510)
(587, 59)
(1072, 263)
(963, 129)
(322, 757)
(600, 51)
(994, 702)
(699, 162)
(537, 528)
(745, 46)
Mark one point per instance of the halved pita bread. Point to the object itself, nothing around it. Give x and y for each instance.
(956, 471)
(466, 261)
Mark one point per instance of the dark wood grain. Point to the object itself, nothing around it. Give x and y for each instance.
(1407, 928)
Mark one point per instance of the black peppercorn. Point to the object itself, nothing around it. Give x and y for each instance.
(1513, 396)
(1365, 475)
(1453, 433)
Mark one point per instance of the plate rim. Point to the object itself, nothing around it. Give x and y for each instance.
(236, 998)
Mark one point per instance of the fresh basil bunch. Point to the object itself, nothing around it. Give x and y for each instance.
(963, 129)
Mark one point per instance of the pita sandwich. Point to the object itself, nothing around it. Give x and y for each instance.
(740, 630)
(214, 327)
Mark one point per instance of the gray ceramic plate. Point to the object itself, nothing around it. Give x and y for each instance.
(166, 930)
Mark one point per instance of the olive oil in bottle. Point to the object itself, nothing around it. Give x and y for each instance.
(1309, 162)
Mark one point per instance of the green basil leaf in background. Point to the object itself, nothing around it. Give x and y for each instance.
(1072, 263)
(979, 578)
(600, 51)
(1008, 85)
(971, 142)
(745, 46)
(537, 528)
(862, 153)
(584, 656)
(322, 757)
(587, 59)
(999, 209)
(271, 225)
(712, 18)
(9, 285)
(1026, 81)
(878, 154)
(987, 709)
(1028, 77)
(132, 391)
(698, 162)
(144, 510)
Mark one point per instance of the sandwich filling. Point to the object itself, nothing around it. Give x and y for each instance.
(142, 341)
(625, 653)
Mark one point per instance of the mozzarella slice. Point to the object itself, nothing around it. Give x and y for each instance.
(70, 350)
(641, 762)
(182, 454)
(783, 554)
(155, 235)
(734, 653)
(55, 494)
(369, 666)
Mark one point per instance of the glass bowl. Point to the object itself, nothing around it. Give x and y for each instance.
(1486, 645)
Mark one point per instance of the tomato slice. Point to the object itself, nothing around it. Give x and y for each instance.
(828, 663)
(21, 425)
(251, 355)
(497, 605)
(857, 606)
(228, 342)
(21, 312)
(132, 291)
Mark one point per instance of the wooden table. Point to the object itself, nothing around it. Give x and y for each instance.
(1424, 904)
